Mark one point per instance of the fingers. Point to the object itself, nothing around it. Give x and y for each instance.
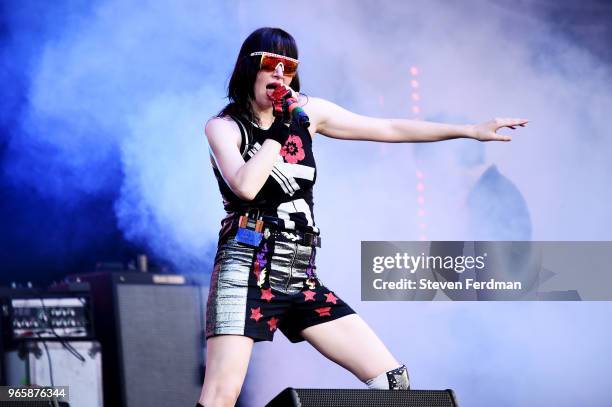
(499, 137)
(286, 87)
(511, 123)
(293, 93)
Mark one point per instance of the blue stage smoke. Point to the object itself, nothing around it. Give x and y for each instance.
(103, 109)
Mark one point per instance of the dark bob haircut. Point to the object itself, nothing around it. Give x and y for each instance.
(240, 88)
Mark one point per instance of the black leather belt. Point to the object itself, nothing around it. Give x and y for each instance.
(294, 236)
(288, 235)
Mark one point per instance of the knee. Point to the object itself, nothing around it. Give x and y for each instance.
(220, 394)
(395, 379)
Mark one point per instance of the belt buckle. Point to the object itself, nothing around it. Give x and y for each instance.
(310, 239)
(307, 239)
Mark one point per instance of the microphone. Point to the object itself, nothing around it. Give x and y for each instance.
(286, 106)
(298, 114)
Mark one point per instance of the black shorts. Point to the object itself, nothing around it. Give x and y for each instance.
(254, 291)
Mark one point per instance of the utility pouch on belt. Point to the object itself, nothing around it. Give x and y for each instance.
(249, 231)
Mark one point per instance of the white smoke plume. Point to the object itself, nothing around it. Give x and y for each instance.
(127, 87)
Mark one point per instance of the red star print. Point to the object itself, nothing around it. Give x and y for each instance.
(309, 295)
(267, 294)
(256, 313)
(324, 311)
(330, 297)
(272, 323)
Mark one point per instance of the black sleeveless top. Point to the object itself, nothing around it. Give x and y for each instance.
(285, 199)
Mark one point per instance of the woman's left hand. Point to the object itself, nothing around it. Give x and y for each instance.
(487, 131)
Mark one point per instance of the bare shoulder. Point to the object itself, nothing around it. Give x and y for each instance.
(222, 130)
(312, 105)
(216, 125)
(315, 108)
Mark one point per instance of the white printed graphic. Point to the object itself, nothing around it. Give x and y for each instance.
(285, 173)
(290, 236)
(297, 206)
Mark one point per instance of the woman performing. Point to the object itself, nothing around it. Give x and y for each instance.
(264, 275)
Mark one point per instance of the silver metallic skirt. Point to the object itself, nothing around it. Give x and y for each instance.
(253, 291)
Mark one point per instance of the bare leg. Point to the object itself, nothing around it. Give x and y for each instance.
(227, 360)
(352, 344)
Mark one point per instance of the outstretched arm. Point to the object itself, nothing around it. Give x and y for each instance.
(337, 122)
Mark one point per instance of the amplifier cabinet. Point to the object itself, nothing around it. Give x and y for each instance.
(32, 364)
(151, 327)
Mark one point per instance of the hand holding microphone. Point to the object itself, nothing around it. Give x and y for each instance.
(287, 107)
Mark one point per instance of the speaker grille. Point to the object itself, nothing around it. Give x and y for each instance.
(365, 398)
(32, 404)
(160, 329)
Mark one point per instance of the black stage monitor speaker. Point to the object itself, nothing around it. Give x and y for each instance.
(33, 404)
(151, 330)
(291, 397)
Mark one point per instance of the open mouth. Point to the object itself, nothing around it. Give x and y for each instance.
(270, 88)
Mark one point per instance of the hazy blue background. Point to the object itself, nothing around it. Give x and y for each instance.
(102, 155)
